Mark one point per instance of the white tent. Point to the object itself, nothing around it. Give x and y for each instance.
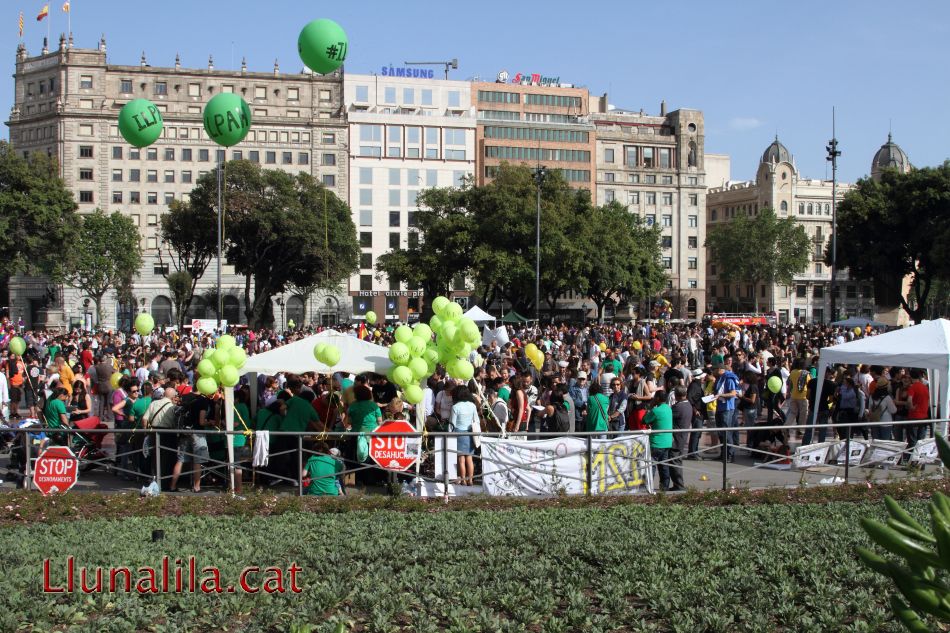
(478, 315)
(356, 356)
(924, 346)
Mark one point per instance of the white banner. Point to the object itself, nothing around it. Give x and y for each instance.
(559, 466)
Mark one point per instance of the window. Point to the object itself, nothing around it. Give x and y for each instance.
(85, 196)
(366, 217)
(372, 150)
(270, 158)
(116, 175)
(665, 158)
(650, 219)
(151, 197)
(608, 155)
(151, 154)
(651, 198)
(395, 218)
(609, 195)
(394, 176)
(668, 263)
(204, 155)
(609, 177)
(818, 269)
(366, 261)
(329, 180)
(394, 197)
(186, 155)
(633, 197)
(160, 269)
(693, 199)
(648, 160)
(810, 212)
(454, 99)
(135, 197)
(692, 283)
(186, 177)
(169, 197)
(631, 156)
(667, 220)
(366, 282)
(287, 158)
(161, 88)
(852, 292)
(366, 196)
(413, 239)
(692, 263)
(650, 180)
(784, 207)
(85, 129)
(432, 178)
(801, 291)
(668, 199)
(818, 291)
(801, 208)
(117, 152)
(260, 92)
(362, 94)
(712, 269)
(634, 178)
(116, 197)
(151, 175)
(85, 151)
(254, 156)
(371, 133)
(125, 86)
(692, 221)
(394, 241)
(389, 95)
(169, 175)
(303, 158)
(366, 239)
(713, 290)
(85, 173)
(426, 97)
(692, 241)
(412, 220)
(151, 219)
(408, 96)
(85, 82)
(666, 241)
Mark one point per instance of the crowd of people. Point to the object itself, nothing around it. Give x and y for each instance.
(599, 379)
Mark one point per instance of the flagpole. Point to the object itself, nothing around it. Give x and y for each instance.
(69, 20)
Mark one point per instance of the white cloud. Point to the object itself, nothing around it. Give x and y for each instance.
(744, 123)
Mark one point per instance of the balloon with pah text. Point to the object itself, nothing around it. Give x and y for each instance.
(227, 119)
(322, 45)
(140, 122)
(144, 323)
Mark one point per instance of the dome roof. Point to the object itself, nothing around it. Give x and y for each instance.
(776, 153)
(890, 156)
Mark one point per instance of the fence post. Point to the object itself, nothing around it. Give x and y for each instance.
(847, 455)
(445, 464)
(158, 459)
(590, 459)
(724, 453)
(300, 465)
(27, 466)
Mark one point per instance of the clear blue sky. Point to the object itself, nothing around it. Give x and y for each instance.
(754, 68)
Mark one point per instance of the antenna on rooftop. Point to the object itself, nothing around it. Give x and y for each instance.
(452, 63)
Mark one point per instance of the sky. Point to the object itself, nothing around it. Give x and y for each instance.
(754, 68)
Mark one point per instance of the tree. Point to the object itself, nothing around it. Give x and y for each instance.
(181, 286)
(281, 230)
(759, 249)
(106, 252)
(622, 257)
(898, 227)
(189, 234)
(37, 215)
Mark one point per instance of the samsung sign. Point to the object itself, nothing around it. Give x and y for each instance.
(415, 73)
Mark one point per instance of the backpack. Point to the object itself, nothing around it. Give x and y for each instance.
(184, 412)
(560, 421)
(802, 380)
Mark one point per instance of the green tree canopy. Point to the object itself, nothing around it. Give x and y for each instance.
(759, 249)
(37, 214)
(281, 230)
(106, 254)
(189, 234)
(897, 227)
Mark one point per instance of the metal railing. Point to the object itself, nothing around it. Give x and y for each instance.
(152, 464)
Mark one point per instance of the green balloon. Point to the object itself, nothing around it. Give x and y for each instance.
(17, 346)
(412, 394)
(207, 386)
(225, 342)
(228, 376)
(470, 331)
(140, 122)
(775, 384)
(237, 357)
(462, 369)
(416, 346)
(322, 46)
(431, 355)
(399, 353)
(208, 353)
(220, 358)
(402, 376)
(435, 323)
(318, 351)
(419, 367)
(331, 355)
(452, 312)
(439, 303)
(448, 334)
(144, 323)
(423, 331)
(371, 317)
(207, 369)
(403, 333)
(227, 119)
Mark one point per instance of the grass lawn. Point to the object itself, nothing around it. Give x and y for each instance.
(622, 567)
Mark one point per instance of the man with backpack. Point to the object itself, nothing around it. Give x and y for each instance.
(559, 413)
(196, 411)
(798, 386)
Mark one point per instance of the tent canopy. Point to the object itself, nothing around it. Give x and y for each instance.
(513, 317)
(356, 356)
(478, 315)
(923, 346)
(861, 322)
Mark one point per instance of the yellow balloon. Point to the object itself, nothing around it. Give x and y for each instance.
(857, 331)
(637, 345)
(530, 349)
(603, 346)
(114, 380)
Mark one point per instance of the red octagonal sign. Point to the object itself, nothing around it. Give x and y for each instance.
(394, 453)
(56, 470)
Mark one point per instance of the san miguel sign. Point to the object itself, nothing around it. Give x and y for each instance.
(535, 79)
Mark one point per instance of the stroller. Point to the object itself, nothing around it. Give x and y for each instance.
(88, 446)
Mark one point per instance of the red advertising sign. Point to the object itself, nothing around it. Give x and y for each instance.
(394, 453)
(56, 470)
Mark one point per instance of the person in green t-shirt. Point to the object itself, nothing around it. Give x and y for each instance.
(364, 415)
(244, 424)
(271, 417)
(322, 470)
(660, 418)
(597, 405)
(300, 413)
(54, 413)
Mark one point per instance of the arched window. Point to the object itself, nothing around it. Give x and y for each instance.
(691, 309)
(162, 310)
(827, 209)
(295, 311)
(810, 209)
(801, 208)
(232, 309)
(784, 207)
(198, 308)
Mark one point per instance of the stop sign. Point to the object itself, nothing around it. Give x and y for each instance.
(56, 470)
(394, 453)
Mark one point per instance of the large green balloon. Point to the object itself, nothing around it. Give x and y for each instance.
(403, 333)
(412, 394)
(416, 346)
(371, 317)
(331, 355)
(435, 323)
(220, 358)
(318, 351)
(144, 323)
(439, 303)
(423, 331)
(227, 119)
(237, 357)
(775, 384)
(452, 312)
(17, 346)
(225, 342)
(207, 386)
(402, 376)
(322, 46)
(207, 369)
(399, 353)
(228, 376)
(461, 369)
(140, 122)
(431, 355)
(470, 330)
(419, 367)
(449, 331)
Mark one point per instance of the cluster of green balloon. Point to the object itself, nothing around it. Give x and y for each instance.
(322, 45)
(327, 354)
(227, 119)
(220, 366)
(17, 346)
(456, 337)
(414, 358)
(144, 324)
(140, 122)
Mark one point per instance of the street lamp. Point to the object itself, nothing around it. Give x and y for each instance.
(584, 312)
(833, 154)
(539, 174)
(280, 302)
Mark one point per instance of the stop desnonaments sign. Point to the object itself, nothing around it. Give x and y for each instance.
(56, 470)
(394, 453)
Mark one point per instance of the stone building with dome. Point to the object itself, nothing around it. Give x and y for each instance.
(779, 185)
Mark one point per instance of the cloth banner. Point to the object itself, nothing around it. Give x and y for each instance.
(555, 466)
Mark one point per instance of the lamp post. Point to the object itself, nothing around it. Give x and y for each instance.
(280, 302)
(833, 155)
(584, 312)
(539, 174)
